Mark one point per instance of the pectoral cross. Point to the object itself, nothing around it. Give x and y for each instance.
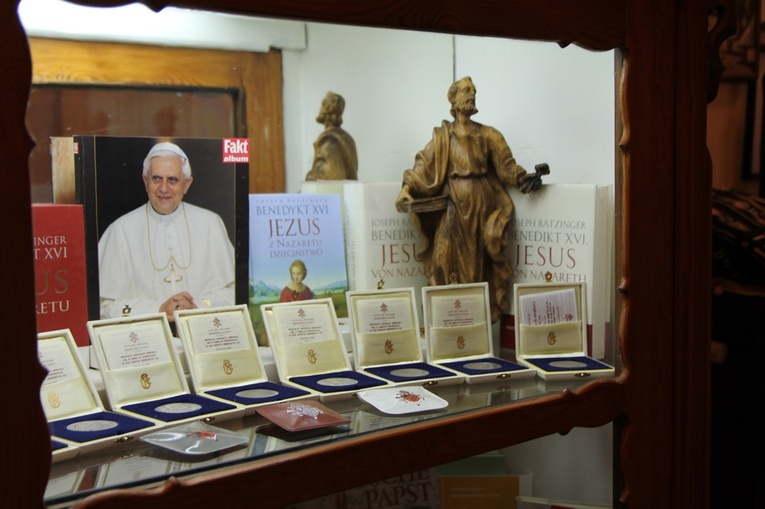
(173, 278)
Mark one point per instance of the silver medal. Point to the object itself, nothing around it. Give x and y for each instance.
(337, 381)
(257, 393)
(92, 425)
(409, 372)
(178, 408)
(483, 365)
(568, 364)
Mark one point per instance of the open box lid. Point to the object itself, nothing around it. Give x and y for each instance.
(551, 319)
(137, 359)
(221, 347)
(457, 321)
(305, 338)
(67, 390)
(384, 327)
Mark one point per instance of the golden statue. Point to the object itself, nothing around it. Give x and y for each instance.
(457, 198)
(334, 150)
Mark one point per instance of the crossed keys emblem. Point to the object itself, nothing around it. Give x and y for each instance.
(552, 338)
(312, 357)
(228, 368)
(145, 381)
(460, 342)
(389, 347)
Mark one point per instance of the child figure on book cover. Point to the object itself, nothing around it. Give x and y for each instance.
(296, 289)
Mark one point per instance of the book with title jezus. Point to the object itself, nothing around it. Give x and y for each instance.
(296, 252)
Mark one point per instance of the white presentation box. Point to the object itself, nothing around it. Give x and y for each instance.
(551, 331)
(458, 333)
(309, 350)
(62, 450)
(76, 417)
(143, 375)
(386, 339)
(223, 359)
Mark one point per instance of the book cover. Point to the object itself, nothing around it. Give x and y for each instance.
(381, 243)
(481, 481)
(109, 185)
(415, 490)
(482, 491)
(528, 502)
(566, 230)
(296, 252)
(60, 272)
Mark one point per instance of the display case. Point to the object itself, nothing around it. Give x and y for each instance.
(667, 71)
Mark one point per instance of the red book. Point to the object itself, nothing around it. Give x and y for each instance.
(60, 270)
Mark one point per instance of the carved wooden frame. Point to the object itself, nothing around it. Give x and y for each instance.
(660, 401)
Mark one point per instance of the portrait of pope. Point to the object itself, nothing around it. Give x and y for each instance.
(160, 246)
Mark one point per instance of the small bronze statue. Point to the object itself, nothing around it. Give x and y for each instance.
(457, 198)
(334, 150)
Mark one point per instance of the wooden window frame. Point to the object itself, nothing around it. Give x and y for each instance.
(256, 76)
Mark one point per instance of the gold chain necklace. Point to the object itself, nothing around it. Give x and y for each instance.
(172, 258)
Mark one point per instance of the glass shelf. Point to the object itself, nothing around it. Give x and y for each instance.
(140, 464)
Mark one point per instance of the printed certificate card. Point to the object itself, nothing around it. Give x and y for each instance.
(549, 307)
(385, 328)
(307, 339)
(220, 346)
(136, 358)
(65, 390)
(457, 322)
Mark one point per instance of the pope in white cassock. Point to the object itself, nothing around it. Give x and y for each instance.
(166, 254)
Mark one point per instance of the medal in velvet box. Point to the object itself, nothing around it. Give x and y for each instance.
(551, 331)
(458, 333)
(386, 339)
(309, 350)
(75, 413)
(143, 375)
(224, 363)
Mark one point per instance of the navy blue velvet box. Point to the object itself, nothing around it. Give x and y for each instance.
(143, 374)
(551, 331)
(61, 450)
(386, 338)
(309, 350)
(458, 332)
(72, 405)
(223, 358)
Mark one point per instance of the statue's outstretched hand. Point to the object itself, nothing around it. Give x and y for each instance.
(533, 181)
